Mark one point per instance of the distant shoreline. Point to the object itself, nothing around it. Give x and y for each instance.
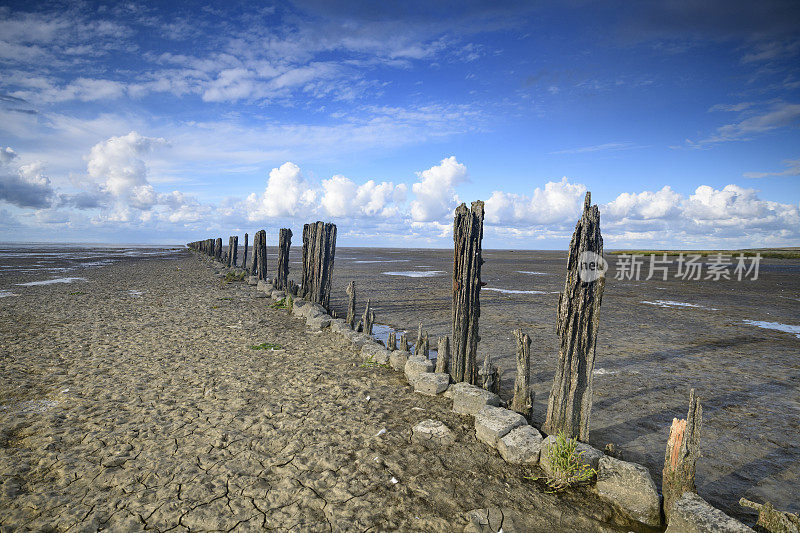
(772, 253)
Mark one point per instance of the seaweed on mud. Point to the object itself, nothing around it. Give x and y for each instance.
(371, 363)
(280, 304)
(266, 346)
(568, 468)
(232, 276)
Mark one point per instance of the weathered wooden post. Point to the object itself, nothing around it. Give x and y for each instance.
(570, 401)
(426, 346)
(418, 344)
(466, 308)
(683, 449)
(404, 342)
(351, 305)
(391, 344)
(319, 248)
(368, 318)
(284, 242)
(218, 249)
(235, 250)
(523, 395)
(489, 375)
(244, 256)
(443, 355)
(259, 269)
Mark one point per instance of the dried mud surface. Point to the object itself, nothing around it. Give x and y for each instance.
(133, 401)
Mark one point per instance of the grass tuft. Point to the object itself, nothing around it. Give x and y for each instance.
(568, 469)
(231, 277)
(266, 346)
(371, 363)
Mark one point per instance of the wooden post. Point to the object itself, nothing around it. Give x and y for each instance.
(351, 305)
(418, 344)
(284, 242)
(443, 356)
(426, 346)
(466, 308)
(218, 249)
(683, 449)
(244, 256)
(391, 344)
(235, 250)
(319, 248)
(523, 395)
(404, 342)
(259, 269)
(368, 318)
(570, 401)
(489, 376)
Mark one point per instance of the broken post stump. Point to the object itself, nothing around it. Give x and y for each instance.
(426, 347)
(466, 307)
(368, 318)
(391, 344)
(418, 343)
(443, 356)
(522, 402)
(404, 342)
(284, 243)
(319, 248)
(351, 305)
(489, 376)
(570, 401)
(683, 449)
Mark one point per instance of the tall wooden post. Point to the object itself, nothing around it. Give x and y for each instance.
(523, 395)
(368, 318)
(466, 308)
(234, 251)
(351, 305)
(259, 269)
(570, 402)
(683, 449)
(284, 242)
(319, 249)
(218, 249)
(244, 257)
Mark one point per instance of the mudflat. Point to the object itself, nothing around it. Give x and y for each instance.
(657, 339)
(133, 398)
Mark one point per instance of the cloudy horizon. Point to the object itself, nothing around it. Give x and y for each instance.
(135, 123)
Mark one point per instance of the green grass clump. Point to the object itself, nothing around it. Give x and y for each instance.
(568, 469)
(266, 346)
(371, 363)
(231, 277)
(280, 304)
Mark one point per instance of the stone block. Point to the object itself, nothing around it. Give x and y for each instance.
(432, 433)
(318, 322)
(375, 352)
(252, 280)
(430, 384)
(494, 423)
(417, 364)
(692, 514)
(278, 295)
(521, 446)
(338, 325)
(398, 359)
(630, 486)
(469, 399)
(263, 286)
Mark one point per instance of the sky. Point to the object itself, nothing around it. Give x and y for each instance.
(135, 122)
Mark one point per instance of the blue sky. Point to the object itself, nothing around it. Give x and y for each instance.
(134, 122)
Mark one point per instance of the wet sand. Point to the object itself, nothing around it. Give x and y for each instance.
(648, 356)
(132, 399)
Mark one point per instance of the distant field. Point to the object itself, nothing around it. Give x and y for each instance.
(775, 253)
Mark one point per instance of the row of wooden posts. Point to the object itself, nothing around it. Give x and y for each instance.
(570, 401)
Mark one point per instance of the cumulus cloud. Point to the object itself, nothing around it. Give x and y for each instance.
(23, 185)
(286, 194)
(435, 195)
(344, 198)
(557, 203)
(644, 205)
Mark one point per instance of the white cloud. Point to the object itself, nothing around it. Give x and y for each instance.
(343, 198)
(779, 115)
(558, 202)
(23, 185)
(286, 194)
(644, 205)
(435, 191)
(793, 169)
